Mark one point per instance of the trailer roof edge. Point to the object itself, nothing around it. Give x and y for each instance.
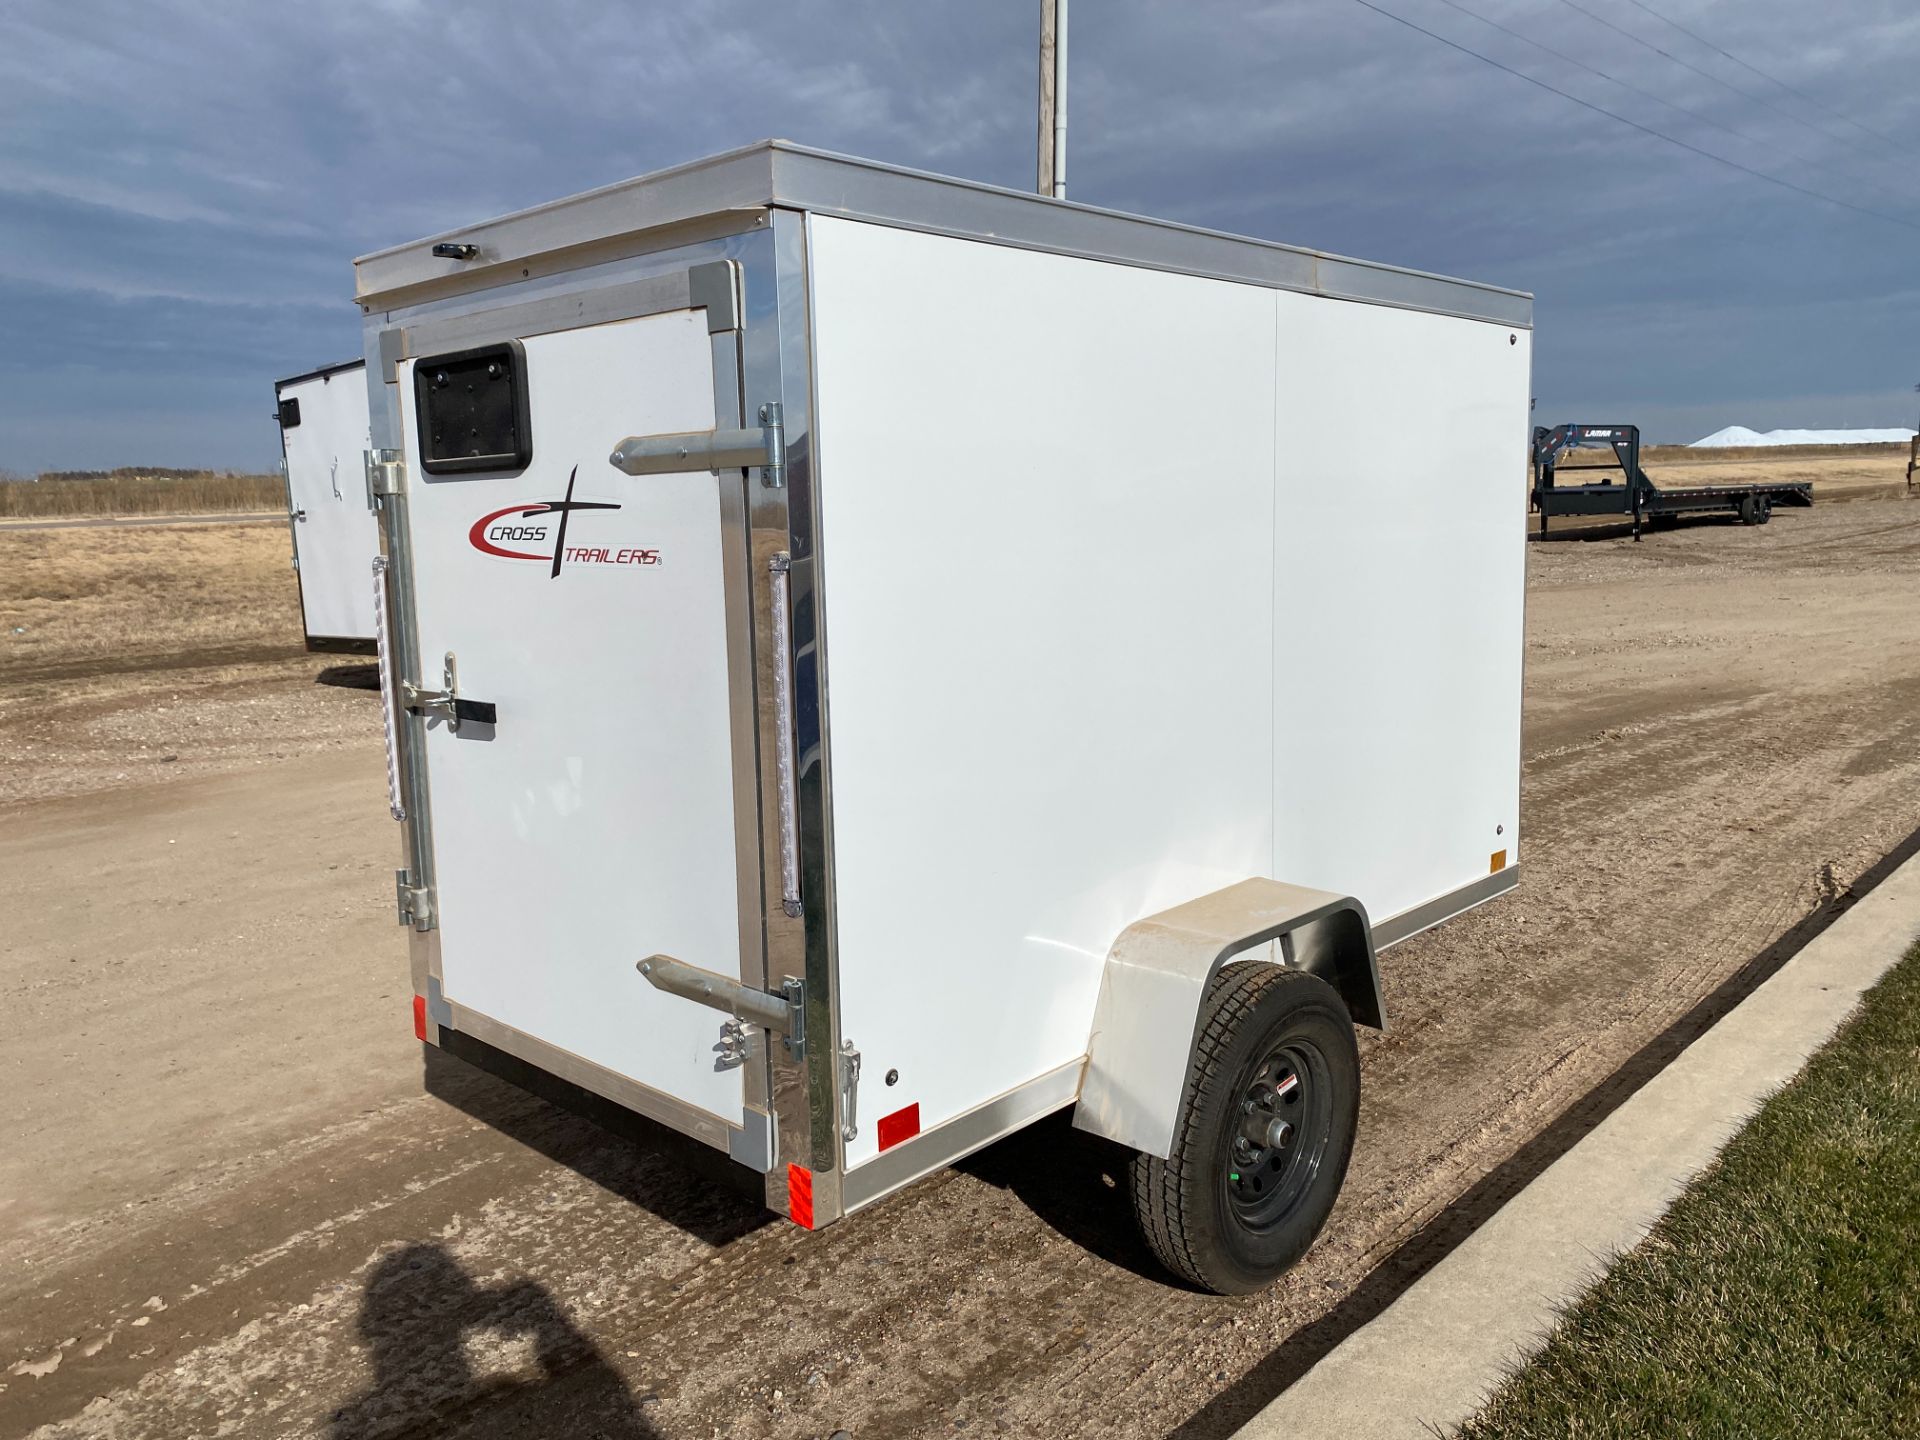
(321, 371)
(778, 173)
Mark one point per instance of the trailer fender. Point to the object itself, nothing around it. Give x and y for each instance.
(1157, 973)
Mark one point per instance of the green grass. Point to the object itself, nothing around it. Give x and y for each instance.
(1781, 1295)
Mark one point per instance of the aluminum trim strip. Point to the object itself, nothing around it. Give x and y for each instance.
(967, 1132)
(693, 185)
(776, 173)
(324, 371)
(655, 295)
(715, 288)
(403, 622)
(1409, 923)
(776, 347)
(708, 1128)
(881, 194)
(742, 702)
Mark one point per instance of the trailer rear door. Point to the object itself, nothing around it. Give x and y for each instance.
(335, 537)
(594, 822)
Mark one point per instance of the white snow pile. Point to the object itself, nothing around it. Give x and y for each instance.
(1741, 435)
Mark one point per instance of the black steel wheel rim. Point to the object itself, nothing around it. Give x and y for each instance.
(1278, 1133)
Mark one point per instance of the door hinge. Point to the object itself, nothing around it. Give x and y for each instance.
(849, 1090)
(413, 902)
(785, 1014)
(736, 1044)
(386, 475)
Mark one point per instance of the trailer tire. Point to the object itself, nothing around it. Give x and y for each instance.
(1749, 509)
(1766, 510)
(1276, 1049)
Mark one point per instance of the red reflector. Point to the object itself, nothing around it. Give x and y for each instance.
(419, 1017)
(901, 1125)
(800, 1196)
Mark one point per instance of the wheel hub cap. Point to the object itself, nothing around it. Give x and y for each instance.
(1285, 1116)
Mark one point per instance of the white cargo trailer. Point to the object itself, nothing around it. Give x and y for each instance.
(323, 441)
(876, 659)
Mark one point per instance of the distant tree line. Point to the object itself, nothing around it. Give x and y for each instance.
(133, 472)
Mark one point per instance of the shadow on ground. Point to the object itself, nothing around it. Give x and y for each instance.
(1077, 1184)
(450, 1356)
(350, 677)
(1569, 531)
(689, 1185)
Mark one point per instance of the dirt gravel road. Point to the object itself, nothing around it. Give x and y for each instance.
(229, 1204)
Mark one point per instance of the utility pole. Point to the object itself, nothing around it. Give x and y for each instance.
(1052, 146)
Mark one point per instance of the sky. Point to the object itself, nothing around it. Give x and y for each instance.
(183, 186)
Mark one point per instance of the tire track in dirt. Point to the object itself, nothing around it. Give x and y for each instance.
(209, 657)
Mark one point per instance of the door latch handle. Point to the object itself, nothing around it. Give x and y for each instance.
(447, 702)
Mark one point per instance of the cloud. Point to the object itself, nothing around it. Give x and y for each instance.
(179, 183)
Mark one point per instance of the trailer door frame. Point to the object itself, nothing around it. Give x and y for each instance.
(773, 1124)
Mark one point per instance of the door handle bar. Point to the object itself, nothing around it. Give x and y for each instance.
(715, 450)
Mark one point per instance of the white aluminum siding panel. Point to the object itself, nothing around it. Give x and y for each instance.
(1047, 518)
(1401, 562)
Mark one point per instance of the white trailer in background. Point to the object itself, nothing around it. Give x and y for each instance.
(877, 659)
(323, 441)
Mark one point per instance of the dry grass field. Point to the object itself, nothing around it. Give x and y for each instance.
(136, 492)
(75, 602)
(133, 654)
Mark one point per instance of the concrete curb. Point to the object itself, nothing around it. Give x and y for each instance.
(1428, 1362)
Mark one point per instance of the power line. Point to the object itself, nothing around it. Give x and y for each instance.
(1818, 105)
(1698, 115)
(1635, 124)
(1595, 69)
(1646, 44)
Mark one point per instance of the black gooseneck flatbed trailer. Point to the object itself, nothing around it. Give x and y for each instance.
(1634, 494)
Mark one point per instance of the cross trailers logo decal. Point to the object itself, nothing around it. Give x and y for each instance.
(532, 522)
